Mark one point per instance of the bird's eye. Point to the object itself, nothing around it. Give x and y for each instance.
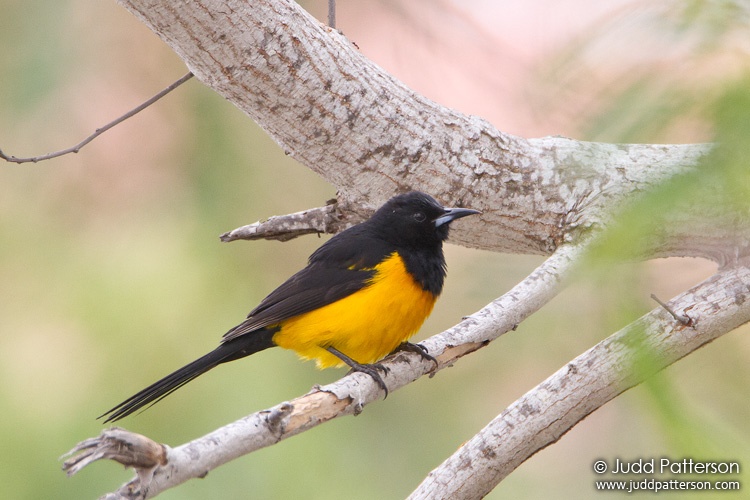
(420, 217)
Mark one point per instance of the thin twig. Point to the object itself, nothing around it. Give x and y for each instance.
(682, 318)
(99, 131)
(332, 13)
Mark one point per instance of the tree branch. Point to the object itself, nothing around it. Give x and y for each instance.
(624, 360)
(327, 219)
(347, 396)
(371, 136)
(100, 130)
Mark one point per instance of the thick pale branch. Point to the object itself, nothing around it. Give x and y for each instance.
(716, 306)
(344, 397)
(371, 136)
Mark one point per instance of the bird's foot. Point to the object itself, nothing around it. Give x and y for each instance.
(418, 349)
(371, 369)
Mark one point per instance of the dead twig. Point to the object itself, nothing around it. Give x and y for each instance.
(99, 131)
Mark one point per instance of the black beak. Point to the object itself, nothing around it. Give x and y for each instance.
(452, 214)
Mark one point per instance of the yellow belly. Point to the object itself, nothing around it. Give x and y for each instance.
(366, 325)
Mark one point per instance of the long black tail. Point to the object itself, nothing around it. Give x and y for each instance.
(237, 348)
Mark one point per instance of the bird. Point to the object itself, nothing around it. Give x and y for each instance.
(362, 295)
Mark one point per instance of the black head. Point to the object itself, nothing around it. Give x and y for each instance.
(415, 220)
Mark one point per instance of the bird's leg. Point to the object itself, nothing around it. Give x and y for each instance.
(418, 349)
(371, 370)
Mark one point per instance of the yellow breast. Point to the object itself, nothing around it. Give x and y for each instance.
(366, 325)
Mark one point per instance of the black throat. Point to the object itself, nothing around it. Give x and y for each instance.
(427, 266)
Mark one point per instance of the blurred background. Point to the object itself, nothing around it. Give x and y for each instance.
(112, 273)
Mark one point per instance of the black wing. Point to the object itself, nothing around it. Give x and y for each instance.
(342, 266)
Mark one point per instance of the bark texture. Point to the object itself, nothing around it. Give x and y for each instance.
(370, 136)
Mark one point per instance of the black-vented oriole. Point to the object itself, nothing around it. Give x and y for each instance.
(362, 295)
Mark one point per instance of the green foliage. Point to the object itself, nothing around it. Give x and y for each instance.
(731, 159)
